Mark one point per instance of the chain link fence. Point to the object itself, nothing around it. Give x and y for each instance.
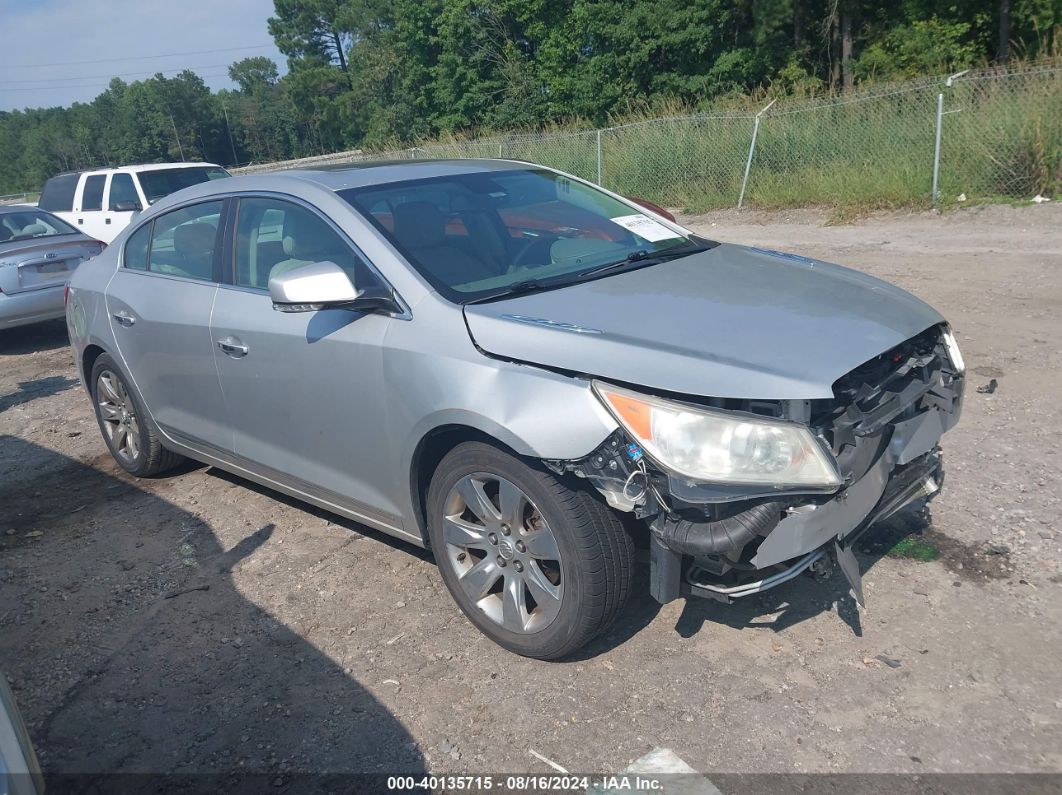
(1000, 138)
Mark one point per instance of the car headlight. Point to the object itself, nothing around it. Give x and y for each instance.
(722, 446)
(953, 352)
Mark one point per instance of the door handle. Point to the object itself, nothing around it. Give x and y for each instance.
(124, 318)
(233, 347)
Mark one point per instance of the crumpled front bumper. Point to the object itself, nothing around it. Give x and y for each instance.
(907, 467)
(803, 532)
(833, 528)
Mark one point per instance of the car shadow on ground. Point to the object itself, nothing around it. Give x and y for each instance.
(38, 337)
(356, 528)
(128, 603)
(31, 390)
(805, 596)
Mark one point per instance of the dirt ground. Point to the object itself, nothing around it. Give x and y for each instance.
(199, 623)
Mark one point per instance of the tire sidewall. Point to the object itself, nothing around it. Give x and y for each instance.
(474, 457)
(139, 466)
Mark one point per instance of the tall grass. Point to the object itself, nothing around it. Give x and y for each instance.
(1001, 139)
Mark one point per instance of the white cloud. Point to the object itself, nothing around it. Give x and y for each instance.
(38, 40)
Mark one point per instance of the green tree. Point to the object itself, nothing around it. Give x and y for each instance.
(254, 74)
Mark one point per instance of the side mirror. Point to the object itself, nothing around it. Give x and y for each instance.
(324, 285)
(127, 207)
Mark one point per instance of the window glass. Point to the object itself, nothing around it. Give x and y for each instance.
(479, 234)
(29, 224)
(122, 190)
(58, 193)
(136, 248)
(184, 241)
(163, 182)
(274, 237)
(92, 199)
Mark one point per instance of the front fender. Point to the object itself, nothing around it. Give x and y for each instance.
(438, 378)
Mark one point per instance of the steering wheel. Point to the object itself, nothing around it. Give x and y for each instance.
(528, 246)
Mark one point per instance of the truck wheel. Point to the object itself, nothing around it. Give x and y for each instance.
(540, 568)
(127, 429)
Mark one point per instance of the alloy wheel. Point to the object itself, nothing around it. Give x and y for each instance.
(503, 552)
(118, 416)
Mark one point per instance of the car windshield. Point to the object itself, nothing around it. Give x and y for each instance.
(29, 224)
(481, 235)
(157, 184)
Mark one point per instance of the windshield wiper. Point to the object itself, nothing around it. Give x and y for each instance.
(641, 256)
(519, 288)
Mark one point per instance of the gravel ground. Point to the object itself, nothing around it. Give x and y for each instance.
(199, 623)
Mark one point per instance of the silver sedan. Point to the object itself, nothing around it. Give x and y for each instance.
(525, 373)
(38, 253)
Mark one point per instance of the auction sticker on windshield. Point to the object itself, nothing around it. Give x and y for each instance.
(645, 227)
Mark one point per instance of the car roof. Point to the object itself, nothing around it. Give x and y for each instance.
(340, 176)
(335, 178)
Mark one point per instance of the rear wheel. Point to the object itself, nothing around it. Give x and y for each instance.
(539, 567)
(127, 429)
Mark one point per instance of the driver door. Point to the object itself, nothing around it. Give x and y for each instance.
(305, 391)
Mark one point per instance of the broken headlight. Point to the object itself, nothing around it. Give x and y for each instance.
(953, 352)
(722, 446)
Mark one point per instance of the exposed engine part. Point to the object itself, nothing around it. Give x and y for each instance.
(617, 469)
(720, 536)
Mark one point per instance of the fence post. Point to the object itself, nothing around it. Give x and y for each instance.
(936, 142)
(752, 149)
(599, 158)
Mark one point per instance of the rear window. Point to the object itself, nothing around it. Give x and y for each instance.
(157, 184)
(29, 224)
(58, 193)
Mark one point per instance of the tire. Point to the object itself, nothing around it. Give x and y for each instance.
(130, 435)
(537, 605)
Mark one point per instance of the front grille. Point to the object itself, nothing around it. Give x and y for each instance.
(912, 377)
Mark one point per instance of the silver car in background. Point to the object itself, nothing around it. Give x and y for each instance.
(38, 253)
(525, 373)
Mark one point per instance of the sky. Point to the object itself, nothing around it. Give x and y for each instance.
(57, 52)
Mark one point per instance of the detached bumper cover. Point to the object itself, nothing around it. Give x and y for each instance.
(919, 479)
(799, 533)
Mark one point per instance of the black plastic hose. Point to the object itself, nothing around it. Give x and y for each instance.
(722, 535)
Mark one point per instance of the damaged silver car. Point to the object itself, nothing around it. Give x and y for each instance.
(525, 373)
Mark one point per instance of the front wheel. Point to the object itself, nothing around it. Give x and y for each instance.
(540, 568)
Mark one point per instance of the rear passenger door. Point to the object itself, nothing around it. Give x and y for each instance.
(88, 207)
(159, 303)
(122, 202)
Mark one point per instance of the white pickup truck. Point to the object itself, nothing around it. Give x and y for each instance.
(101, 202)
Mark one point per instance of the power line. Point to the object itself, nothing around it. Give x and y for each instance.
(68, 80)
(88, 85)
(135, 57)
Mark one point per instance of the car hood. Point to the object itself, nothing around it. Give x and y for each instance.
(730, 322)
